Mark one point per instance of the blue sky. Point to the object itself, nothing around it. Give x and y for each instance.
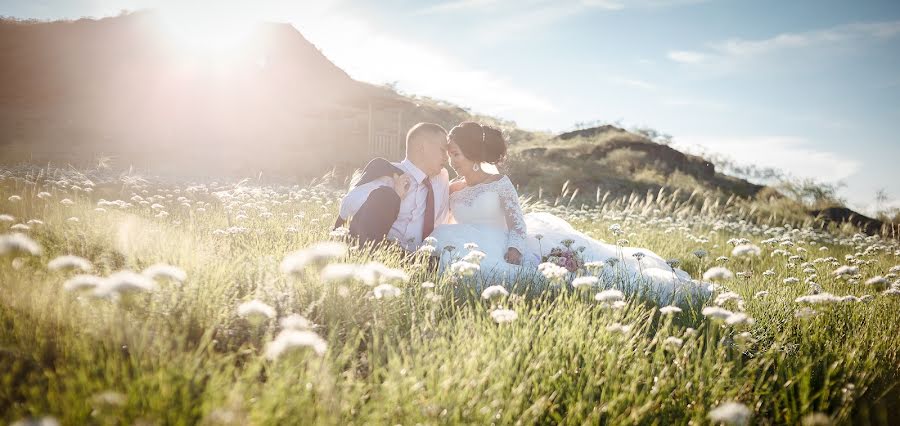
(812, 87)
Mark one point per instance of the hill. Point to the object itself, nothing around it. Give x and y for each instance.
(75, 90)
(608, 161)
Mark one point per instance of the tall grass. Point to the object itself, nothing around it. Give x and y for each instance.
(182, 354)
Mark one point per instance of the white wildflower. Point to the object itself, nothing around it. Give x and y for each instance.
(255, 309)
(163, 270)
(670, 310)
(385, 291)
(879, 282)
(716, 313)
(493, 292)
(609, 296)
(728, 296)
(474, 256)
(18, 243)
(501, 316)
(816, 419)
(673, 342)
(739, 318)
(552, 271)
(464, 269)
(585, 282)
(340, 272)
(717, 273)
(376, 273)
(82, 282)
(618, 328)
(821, 298)
(43, 421)
(296, 322)
(108, 399)
(123, 282)
(69, 262)
(731, 413)
(289, 340)
(296, 262)
(846, 270)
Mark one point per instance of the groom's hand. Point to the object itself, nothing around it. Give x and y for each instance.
(513, 256)
(401, 184)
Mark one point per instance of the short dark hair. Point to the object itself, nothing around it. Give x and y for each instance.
(421, 129)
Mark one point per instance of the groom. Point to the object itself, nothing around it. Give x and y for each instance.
(401, 201)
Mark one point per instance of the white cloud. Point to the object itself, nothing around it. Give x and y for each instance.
(796, 156)
(738, 49)
(872, 208)
(512, 18)
(457, 5)
(686, 56)
(511, 6)
(368, 54)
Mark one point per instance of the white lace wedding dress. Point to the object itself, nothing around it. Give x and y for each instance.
(489, 215)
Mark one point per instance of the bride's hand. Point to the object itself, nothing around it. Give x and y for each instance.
(457, 185)
(401, 184)
(513, 256)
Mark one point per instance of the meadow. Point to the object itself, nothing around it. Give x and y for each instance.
(130, 300)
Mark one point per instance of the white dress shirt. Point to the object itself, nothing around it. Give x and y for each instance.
(407, 229)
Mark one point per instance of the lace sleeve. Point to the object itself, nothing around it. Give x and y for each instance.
(515, 221)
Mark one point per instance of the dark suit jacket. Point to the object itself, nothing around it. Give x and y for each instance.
(376, 168)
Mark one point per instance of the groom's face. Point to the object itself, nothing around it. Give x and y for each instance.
(435, 153)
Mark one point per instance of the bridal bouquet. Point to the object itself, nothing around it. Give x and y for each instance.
(566, 256)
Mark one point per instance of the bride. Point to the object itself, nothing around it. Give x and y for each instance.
(485, 211)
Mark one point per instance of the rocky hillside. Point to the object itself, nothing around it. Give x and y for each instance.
(609, 161)
(619, 161)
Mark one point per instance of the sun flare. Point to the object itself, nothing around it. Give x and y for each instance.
(204, 33)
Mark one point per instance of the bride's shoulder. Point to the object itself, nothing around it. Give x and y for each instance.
(503, 180)
(497, 178)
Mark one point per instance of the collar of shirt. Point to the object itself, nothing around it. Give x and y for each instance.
(417, 174)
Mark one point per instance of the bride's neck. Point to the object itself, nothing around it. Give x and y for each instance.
(474, 178)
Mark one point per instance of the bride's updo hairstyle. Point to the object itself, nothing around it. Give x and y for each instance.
(479, 143)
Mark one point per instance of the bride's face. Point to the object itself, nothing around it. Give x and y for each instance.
(458, 161)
